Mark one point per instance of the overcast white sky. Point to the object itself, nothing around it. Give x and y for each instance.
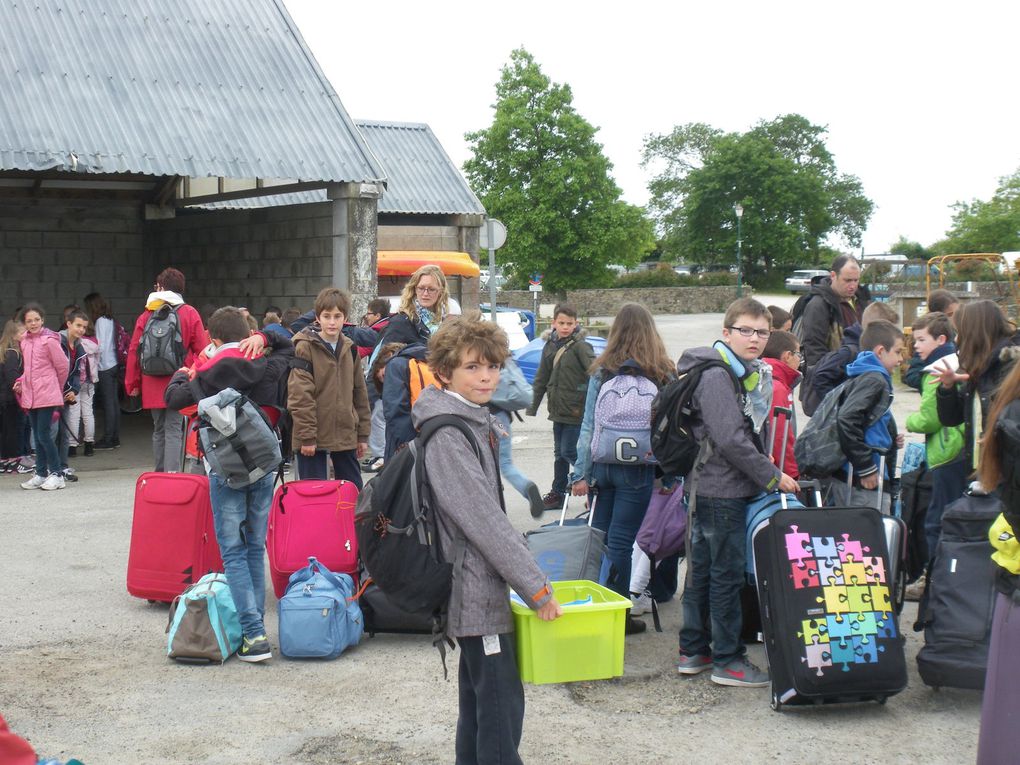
(920, 99)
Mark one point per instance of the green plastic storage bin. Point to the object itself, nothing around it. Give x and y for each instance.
(586, 643)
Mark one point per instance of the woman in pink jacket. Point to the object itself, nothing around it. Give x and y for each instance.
(40, 389)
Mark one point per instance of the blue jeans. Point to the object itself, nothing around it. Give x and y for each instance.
(948, 483)
(47, 460)
(516, 478)
(711, 599)
(622, 493)
(564, 453)
(240, 517)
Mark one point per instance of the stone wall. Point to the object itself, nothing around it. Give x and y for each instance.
(55, 252)
(271, 256)
(658, 300)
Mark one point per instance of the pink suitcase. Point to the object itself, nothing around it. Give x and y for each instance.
(312, 518)
(173, 543)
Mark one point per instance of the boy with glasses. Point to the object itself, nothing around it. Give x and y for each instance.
(730, 406)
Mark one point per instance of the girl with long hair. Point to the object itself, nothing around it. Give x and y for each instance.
(623, 487)
(108, 384)
(1000, 468)
(40, 390)
(11, 416)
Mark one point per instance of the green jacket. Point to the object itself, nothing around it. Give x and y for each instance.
(566, 381)
(942, 444)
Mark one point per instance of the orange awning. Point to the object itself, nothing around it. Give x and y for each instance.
(406, 262)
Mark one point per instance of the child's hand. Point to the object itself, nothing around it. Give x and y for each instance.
(870, 481)
(252, 346)
(362, 448)
(550, 611)
(132, 392)
(900, 440)
(947, 377)
(69, 397)
(308, 451)
(17, 386)
(788, 485)
(580, 488)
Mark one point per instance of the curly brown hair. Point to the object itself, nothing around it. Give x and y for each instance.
(461, 335)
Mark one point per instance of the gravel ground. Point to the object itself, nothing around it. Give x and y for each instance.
(83, 670)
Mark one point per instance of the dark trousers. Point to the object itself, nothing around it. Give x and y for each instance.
(108, 387)
(564, 454)
(711, 599)
(947, 485)
(345, 466)
(10, 431)
(491, 700)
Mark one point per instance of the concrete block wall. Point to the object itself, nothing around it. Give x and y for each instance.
(658, 300)
(270, 256)
(54, 252)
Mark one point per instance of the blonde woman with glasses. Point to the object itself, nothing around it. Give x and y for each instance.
(424, 304)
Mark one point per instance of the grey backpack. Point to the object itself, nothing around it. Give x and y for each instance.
(161, 347)
(237, 439)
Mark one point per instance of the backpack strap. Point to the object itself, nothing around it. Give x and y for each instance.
(566, 347)
(299, 363)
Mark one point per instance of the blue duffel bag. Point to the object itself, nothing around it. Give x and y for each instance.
(319, 615)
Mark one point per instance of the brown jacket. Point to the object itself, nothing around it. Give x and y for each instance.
(329, 405)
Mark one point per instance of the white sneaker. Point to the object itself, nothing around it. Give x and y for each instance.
(53, 481)
(640, 604)
(34, 482)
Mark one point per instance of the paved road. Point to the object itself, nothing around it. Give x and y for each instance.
(83, 670)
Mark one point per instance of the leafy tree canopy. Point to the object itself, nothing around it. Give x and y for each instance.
(539, 169)
(991, 226)
(780, 172)
(909, 250)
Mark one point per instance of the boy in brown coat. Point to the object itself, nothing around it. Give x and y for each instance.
(326, 394)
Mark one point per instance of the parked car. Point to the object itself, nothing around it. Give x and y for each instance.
(800, 281)
(687, 270)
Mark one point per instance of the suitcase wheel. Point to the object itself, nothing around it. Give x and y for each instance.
(775, 703)
(882, 699)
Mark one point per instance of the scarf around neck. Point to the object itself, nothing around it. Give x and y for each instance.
(756, 377)
(429, 318)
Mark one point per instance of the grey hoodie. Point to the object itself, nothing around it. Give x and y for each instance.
(736, 468)
(466, 493)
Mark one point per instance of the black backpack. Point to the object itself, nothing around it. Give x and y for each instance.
(161, 347)
(398, 537)
(673, 441)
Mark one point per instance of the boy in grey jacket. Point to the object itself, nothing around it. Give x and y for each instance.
(465, 355)
(737, 469)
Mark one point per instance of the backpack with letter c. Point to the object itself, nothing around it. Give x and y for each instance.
(623, 417)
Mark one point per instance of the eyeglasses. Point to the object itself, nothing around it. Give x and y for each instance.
(427, 290)
(749, 332)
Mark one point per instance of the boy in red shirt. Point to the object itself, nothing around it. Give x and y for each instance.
(782, 353)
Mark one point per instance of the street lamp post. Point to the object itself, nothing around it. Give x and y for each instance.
(738, 209)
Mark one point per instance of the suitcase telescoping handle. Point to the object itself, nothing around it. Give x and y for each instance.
(813, 484)
(787, 413)
(566, 501)
(881, 478)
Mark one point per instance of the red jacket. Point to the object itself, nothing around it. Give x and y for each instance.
(195, 340)
(784, 380)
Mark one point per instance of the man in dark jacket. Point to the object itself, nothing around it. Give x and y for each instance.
(563, 374)
(832, 305)
(240, 516)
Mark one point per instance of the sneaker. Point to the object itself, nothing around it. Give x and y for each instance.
(915, 590)
(26, 465)
(255, 650)
(692, 665)
(634, 626)
(53, 482)
(34, 482)
(68, 474)
(553, 500)
(72, 451)
(89, 449)
(740, 673)
(640, 604)
(104, 443)
(535, 498)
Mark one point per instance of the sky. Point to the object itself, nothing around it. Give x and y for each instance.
(919, 99)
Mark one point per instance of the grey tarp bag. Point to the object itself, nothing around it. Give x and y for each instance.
(569, 550)
(236, 438)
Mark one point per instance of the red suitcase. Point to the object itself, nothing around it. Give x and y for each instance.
(312, 518)
(173, 543)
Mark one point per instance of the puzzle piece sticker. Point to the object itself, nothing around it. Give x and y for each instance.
(839, 629)
(842, 654)
(858, 599)
(825, 548)
(830, 573)
(804, 576)
(835, 600)
(817, 656)
(875, 570)
(866, 652)
(851, 548)
(798, 546)
(864, 625)
(885, 624)
(880, 598)
(854, 573)
(814, 631)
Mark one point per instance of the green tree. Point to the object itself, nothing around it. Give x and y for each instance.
(992, 226)
(539, 169)
(780, 172)
(909, 250)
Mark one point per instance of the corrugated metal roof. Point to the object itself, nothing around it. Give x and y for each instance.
(170, 87)
(421, 177)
